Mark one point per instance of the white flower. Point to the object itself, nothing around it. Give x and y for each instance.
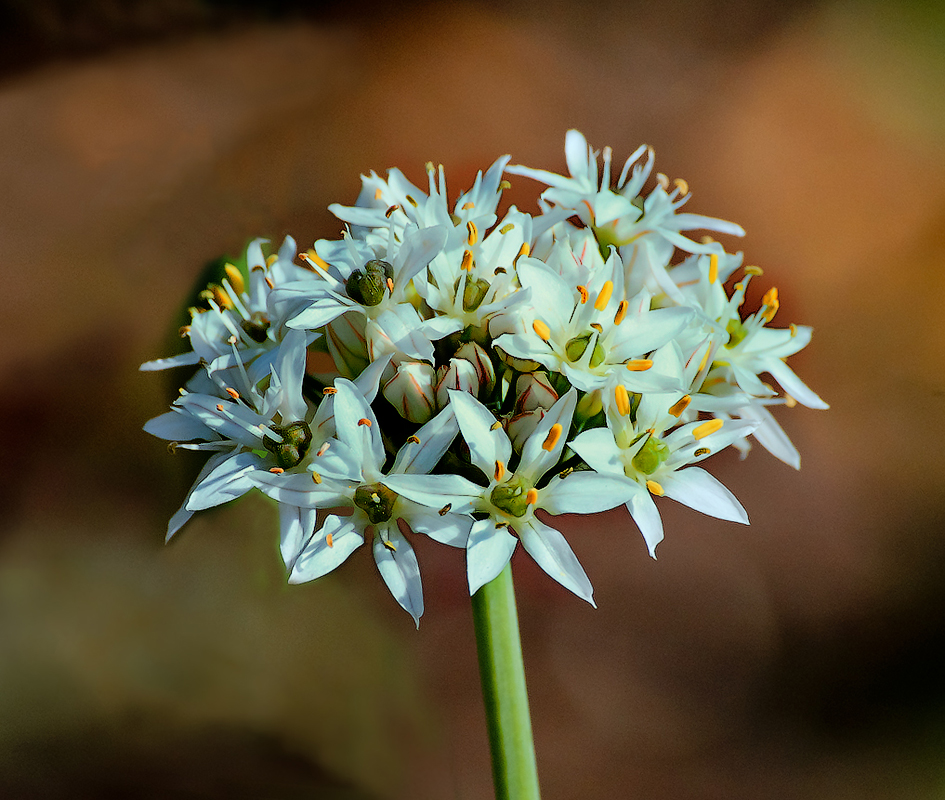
(507, 505)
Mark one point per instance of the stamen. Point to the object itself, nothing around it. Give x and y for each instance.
(172, 447)
(524, 250)
(597, 327)
(701, 451)
(411, 201)
(473, 231)
(316, 477)
(391, 210)
(390, 285)
(506, 228)
(184, 331)
(276, 470)
(314, 258)
(543, 331)
(756, 271)
(771, 301)
(232, 393)
(499, 470)
(329, 390)
(467, 261)
(713, 267)
(680, 405)
(271, 259)
(219, 406)
(604, 297)
(413, 440)
(621, 312)
(495, 425)
(236, 278)
(622, 399)
(705, 360)
(323, 449)
(467, 205)
(663, 181)
(707, 428)
(582, 290)
(639, 364)
(445, 510)
(329, 540)
(655, 488)
(793, 329)
(505, 185)
(552, 438)
(269, 283)
(680, 183)
(531, 497)
(364, 421)
(565, 472)
(378, 193)
(789, 401)
(222, 297)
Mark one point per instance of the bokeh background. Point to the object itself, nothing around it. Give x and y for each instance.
(797, 658)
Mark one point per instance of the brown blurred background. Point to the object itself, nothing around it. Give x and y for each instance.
(797, 658)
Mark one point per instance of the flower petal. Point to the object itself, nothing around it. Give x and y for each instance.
(397, 563)
(487, 552)
(555, 556)
(696, 488)
(319, 558)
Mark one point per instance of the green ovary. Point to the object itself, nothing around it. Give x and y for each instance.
(650, 456)
(576, 347)
(376, 500)
(511, 497)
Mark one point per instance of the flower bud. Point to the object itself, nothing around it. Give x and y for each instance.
(523, 425)
(534, 390)
(411, 391)
(460, 375)
(480, 360)
(518, 364)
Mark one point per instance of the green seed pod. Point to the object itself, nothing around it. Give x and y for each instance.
(511, 497)
(256, 327)
(368, 286)
(736, 332)
(650, 456)
(376, 500)
(296, 438)
(576, 347)
(474, 292)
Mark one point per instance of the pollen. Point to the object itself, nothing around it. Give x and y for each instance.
(364, 421)
(713, 267)
(411, 201)
(622, 399)
(543, 331)
(495, 425)
(499, 470)
(323, 449)
(316, 477)
(707, 428)
(329, 390)
(467, 206)
(276, 470)
(552, 438)
(682, 185)
(329, 539)
(663, 181)
(789, 401)
(413, 440)
(604, 297)
(582, 290)
(771, 301)
(219, 406)
(390, 285)
(236, 278)
(524, 250)
(531, 498)
(391, 210)
(445, 510)
(621, 312)
(233, 393)
(793, 329)
(378, 193)
(756, 271)
(473, 233)
(639, 364)
(506, 228)
(680, 405)
(505, 185)
(222, 297)
(701, 451)
(655, 488)
(467, 261)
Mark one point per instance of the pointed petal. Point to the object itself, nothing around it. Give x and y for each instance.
(536, 459)
(696, 488)
(296, 526)
(585, 493)
(555, 556)
(647, 517)
(399, 569)
(487, 552)
(434, 439)
(449, 528)
(228, 480)
(436, 491)
(319, 558)
(487, 443)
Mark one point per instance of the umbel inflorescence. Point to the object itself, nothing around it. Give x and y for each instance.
(483, 370)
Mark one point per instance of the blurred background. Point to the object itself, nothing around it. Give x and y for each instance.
(797, 658)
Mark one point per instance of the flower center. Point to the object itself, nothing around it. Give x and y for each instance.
(650, 456)
(736, 332)
(576, 347)
(296, 437)
(376, 500)
(256, 327)
(367, 286)
(511, 497)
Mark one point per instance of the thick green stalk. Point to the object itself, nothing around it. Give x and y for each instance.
(503, 689)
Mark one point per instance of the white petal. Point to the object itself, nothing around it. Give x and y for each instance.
(400, 570)
(585, 493)
(363, 439)
(555, 556)
(486, 445)
(771, 435)
(436, 491)
(599, 450)
(178, 426)
(319, 558)
(449, 528)
(229, 480)
(536, 460)
(296, 526)
(487, 552)
(647, 517)
(696, 488)
(793, 385)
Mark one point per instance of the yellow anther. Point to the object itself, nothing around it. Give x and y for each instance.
(739, 287)
(524, 250)
(682, 185)
(364, 421)
(495, 425)
(429, 167)
(621, 312)
(276, 470)
(707, 428)
(499, 470)
(271, 259)
(467, 261)
(316, 477)
(413, 440)
(467, 205)
(655, 488)
(582, 290)
(411, 201)
(713, 267)
(473, 232)
(639, 364)
(597, 327)
(706, 239)
(705, 359)
(680, 405)
(506, 228)
(222, 298)
(531, 497)
(390, 285)
(269, 283)
(552, 438)
(793, 329)
(184, 331)
(219, 406)
(236, 278)
(378, 193)
(329, 390)
(445, 510)
(756, 271)
(391, 210)
(789, 401)
(663, 181)
(622, 399)
(543, 331)
(604, 297)
(389, 545)
(329, 540)
(505, 185)
(701, 451)
(233, 393)
(313, 257)
(771, 301)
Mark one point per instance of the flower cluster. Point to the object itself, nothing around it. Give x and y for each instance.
(481, 373)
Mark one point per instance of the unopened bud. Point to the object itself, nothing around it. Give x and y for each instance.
(523, 425)
(534, 390)
(460, 375)
(411, 392)
(479, 358)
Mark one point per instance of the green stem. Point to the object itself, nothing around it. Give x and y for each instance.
(503, 688)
